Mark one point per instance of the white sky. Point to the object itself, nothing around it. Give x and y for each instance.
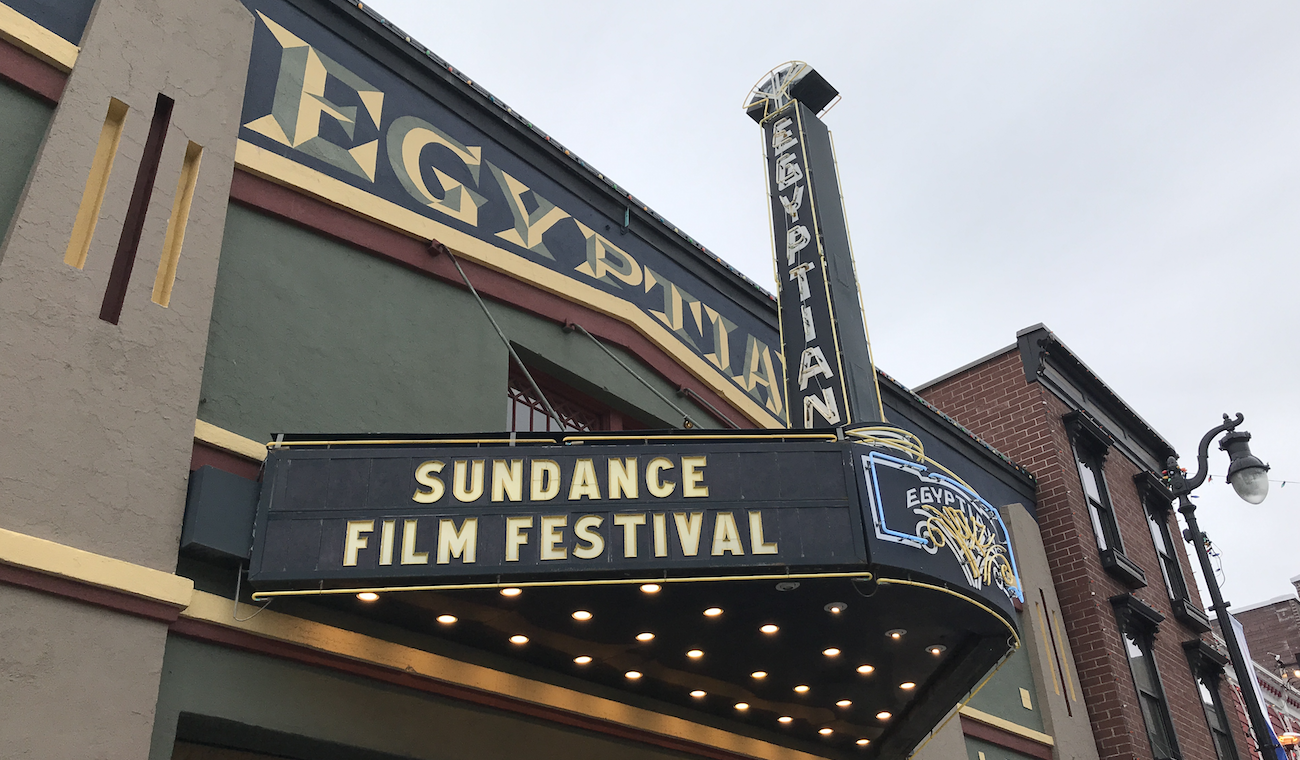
(1127, 174)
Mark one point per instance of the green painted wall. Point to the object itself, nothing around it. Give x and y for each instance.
(265, 692)
(310, 335)
(23, 121)
(1001, 695)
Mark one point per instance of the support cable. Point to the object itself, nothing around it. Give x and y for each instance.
(690, 392)
(686, 417)
(436, 247)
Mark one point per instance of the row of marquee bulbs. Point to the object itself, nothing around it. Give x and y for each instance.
(769, 628)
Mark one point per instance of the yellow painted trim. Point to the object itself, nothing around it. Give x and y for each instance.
(36, 39)
(284, 171)
(409, 441)
(171, 255)
(687, 438)
(92, 196)
(228, 441)
(220, 611)
(260, 595)
(52, 558)
(1008, 726)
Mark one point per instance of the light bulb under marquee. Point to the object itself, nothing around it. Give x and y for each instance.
(518, 639)
(831, 652)
(936, 649)
(632, 674)
(581, 615)
(446, 619)
(511, 591)
(742, 706)
(368, 596)
(836, 608)
(582, 659)
(866, 670)
(695, 654)
(784, 719)
(759, 674)
(884, 715)
(698, 693)
(863, 742)
(647, 636)
(802, 688)
(650, 588)
(713, 612)
(769, 628)
(844, 703)
(825, 731)
(895, 634)
(907, 685)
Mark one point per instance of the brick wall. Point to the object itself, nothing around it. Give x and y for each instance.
(1276, 629)
(1024, 421)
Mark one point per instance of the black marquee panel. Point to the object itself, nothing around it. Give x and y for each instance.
(705, 570)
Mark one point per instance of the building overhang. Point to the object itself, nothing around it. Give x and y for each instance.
(708, 573)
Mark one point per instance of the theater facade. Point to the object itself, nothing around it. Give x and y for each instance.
(347, 413)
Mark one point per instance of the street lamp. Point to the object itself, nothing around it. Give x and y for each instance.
(1249, 478)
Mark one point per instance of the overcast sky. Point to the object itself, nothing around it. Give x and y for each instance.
(1126, 173)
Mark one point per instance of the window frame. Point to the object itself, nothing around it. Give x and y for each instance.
(1090, 445)
(1207, 667)
(568, 402)
(1157, 503)
(1138, 625)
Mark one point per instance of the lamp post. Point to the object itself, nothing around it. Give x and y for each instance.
(1249, 478)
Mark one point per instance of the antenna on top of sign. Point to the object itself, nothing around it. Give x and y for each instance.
(793, 80)
(830, 377)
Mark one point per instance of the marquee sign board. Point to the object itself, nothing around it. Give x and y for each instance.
(423, 515)
(398, 516)
(829, 376)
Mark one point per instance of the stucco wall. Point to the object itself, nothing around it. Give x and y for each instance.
(75, 680)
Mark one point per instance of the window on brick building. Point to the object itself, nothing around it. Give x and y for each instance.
(576, 412)
(1138, 623)
(1207, 669)
(1091, 445)
(1155, 712)
(1104, 525)
(1158, 520)
(1157, 504)
(1216, 717)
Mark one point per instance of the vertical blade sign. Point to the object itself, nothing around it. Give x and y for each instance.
(830, 380)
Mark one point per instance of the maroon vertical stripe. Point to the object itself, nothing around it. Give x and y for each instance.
(129, 243)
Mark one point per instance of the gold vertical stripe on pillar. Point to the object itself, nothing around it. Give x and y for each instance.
(171, 254)
(92, 198)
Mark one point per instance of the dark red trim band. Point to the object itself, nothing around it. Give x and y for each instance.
(204, 454)
(215, 634)
(1005, 739)
(376, 239)
(20, 68)
(83, 592)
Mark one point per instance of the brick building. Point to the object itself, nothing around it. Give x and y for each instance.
(1273, 633)
(1151, 686)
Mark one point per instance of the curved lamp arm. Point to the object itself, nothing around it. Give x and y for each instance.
(1179, 483)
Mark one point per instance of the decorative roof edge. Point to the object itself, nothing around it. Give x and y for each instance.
(957, 425)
